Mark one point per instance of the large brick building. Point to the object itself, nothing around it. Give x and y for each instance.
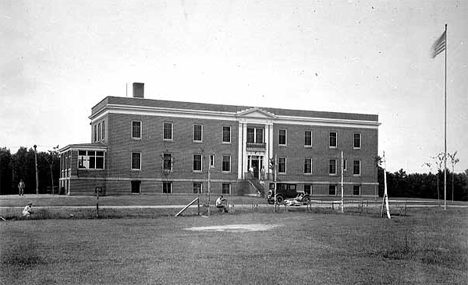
(151, 146)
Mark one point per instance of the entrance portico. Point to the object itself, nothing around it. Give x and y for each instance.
(255, 142)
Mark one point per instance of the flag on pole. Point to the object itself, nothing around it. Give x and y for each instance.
(439, 45)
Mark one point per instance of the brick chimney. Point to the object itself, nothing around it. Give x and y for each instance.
(138, 90)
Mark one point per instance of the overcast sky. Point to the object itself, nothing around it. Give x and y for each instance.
(59, 58)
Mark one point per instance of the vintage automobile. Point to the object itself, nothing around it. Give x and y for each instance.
(285, 191)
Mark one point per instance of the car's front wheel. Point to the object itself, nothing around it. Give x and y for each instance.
(279, 199)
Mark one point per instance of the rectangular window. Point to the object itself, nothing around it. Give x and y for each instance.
(308, 166)
(332, 190)
(167, 131)
(282, 137)
(167, 187)
(103, 130)
(99, 132)
(308, 138)
(136, 161)
(281, 164)
(212, 160)
(250, 135)
(197, 187)
(332, 167)
(167, 162)
(226, 134)
(356, 190)
(357, 167)
(90, 159)
(197, 133)
(95, 133)
(226, 163)
(255, 135)
(197, 162)
(357, 141)
(333, 139)
(258, 135)
(99, 160)
(136, 187)
(308, 189)
(136, 130)
(226, 188)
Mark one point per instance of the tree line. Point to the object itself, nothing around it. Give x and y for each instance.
(426, 185)
(21, 165)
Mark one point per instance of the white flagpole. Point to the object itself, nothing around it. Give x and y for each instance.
(445, 125)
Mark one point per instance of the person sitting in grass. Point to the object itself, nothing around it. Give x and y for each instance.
(27, 211)
(221, 204)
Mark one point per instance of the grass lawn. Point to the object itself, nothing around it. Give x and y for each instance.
(428, 246)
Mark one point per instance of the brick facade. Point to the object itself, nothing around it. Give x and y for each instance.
(129, 133)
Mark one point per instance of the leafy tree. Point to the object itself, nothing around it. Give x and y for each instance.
(5, 171)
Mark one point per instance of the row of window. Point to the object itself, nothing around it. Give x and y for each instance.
(197, 187)
(99, 133)
(197, 166)
(254, 135)
(95, 160)
(226, 164)
(332, 190)
(226, 188)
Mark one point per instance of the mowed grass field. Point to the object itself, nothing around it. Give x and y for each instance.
(428, 246)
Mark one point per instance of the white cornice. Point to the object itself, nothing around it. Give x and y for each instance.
(242, 116)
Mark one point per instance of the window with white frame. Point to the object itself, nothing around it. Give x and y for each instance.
(281, 164)
(167, 162)
(136, 160)
(356, 190)
(332, 167)
(226, 134)
(333, 139)
(167, 131)
(308, 138)
(357, 167)
(167, 187)
(197, 187)
(226, 188)
(226, 167)
(255, 135)
(282, 137)
(357, 141)
(197, 133)
(90, 159)
(136, 129)
(332, 190)
(103, 130)
(197, 162)
(99, 132)
(308, 166)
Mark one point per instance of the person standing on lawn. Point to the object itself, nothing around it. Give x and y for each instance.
(21, 187)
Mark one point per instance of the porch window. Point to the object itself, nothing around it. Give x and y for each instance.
(90, 159)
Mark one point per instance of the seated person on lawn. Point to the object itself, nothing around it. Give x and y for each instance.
(27, 211)
(221, 203)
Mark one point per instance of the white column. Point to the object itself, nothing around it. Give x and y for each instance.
(270, 140)
(240, 160)
(267, 157)
(244, 149)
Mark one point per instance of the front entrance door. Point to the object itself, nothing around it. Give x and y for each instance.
(255, 164)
